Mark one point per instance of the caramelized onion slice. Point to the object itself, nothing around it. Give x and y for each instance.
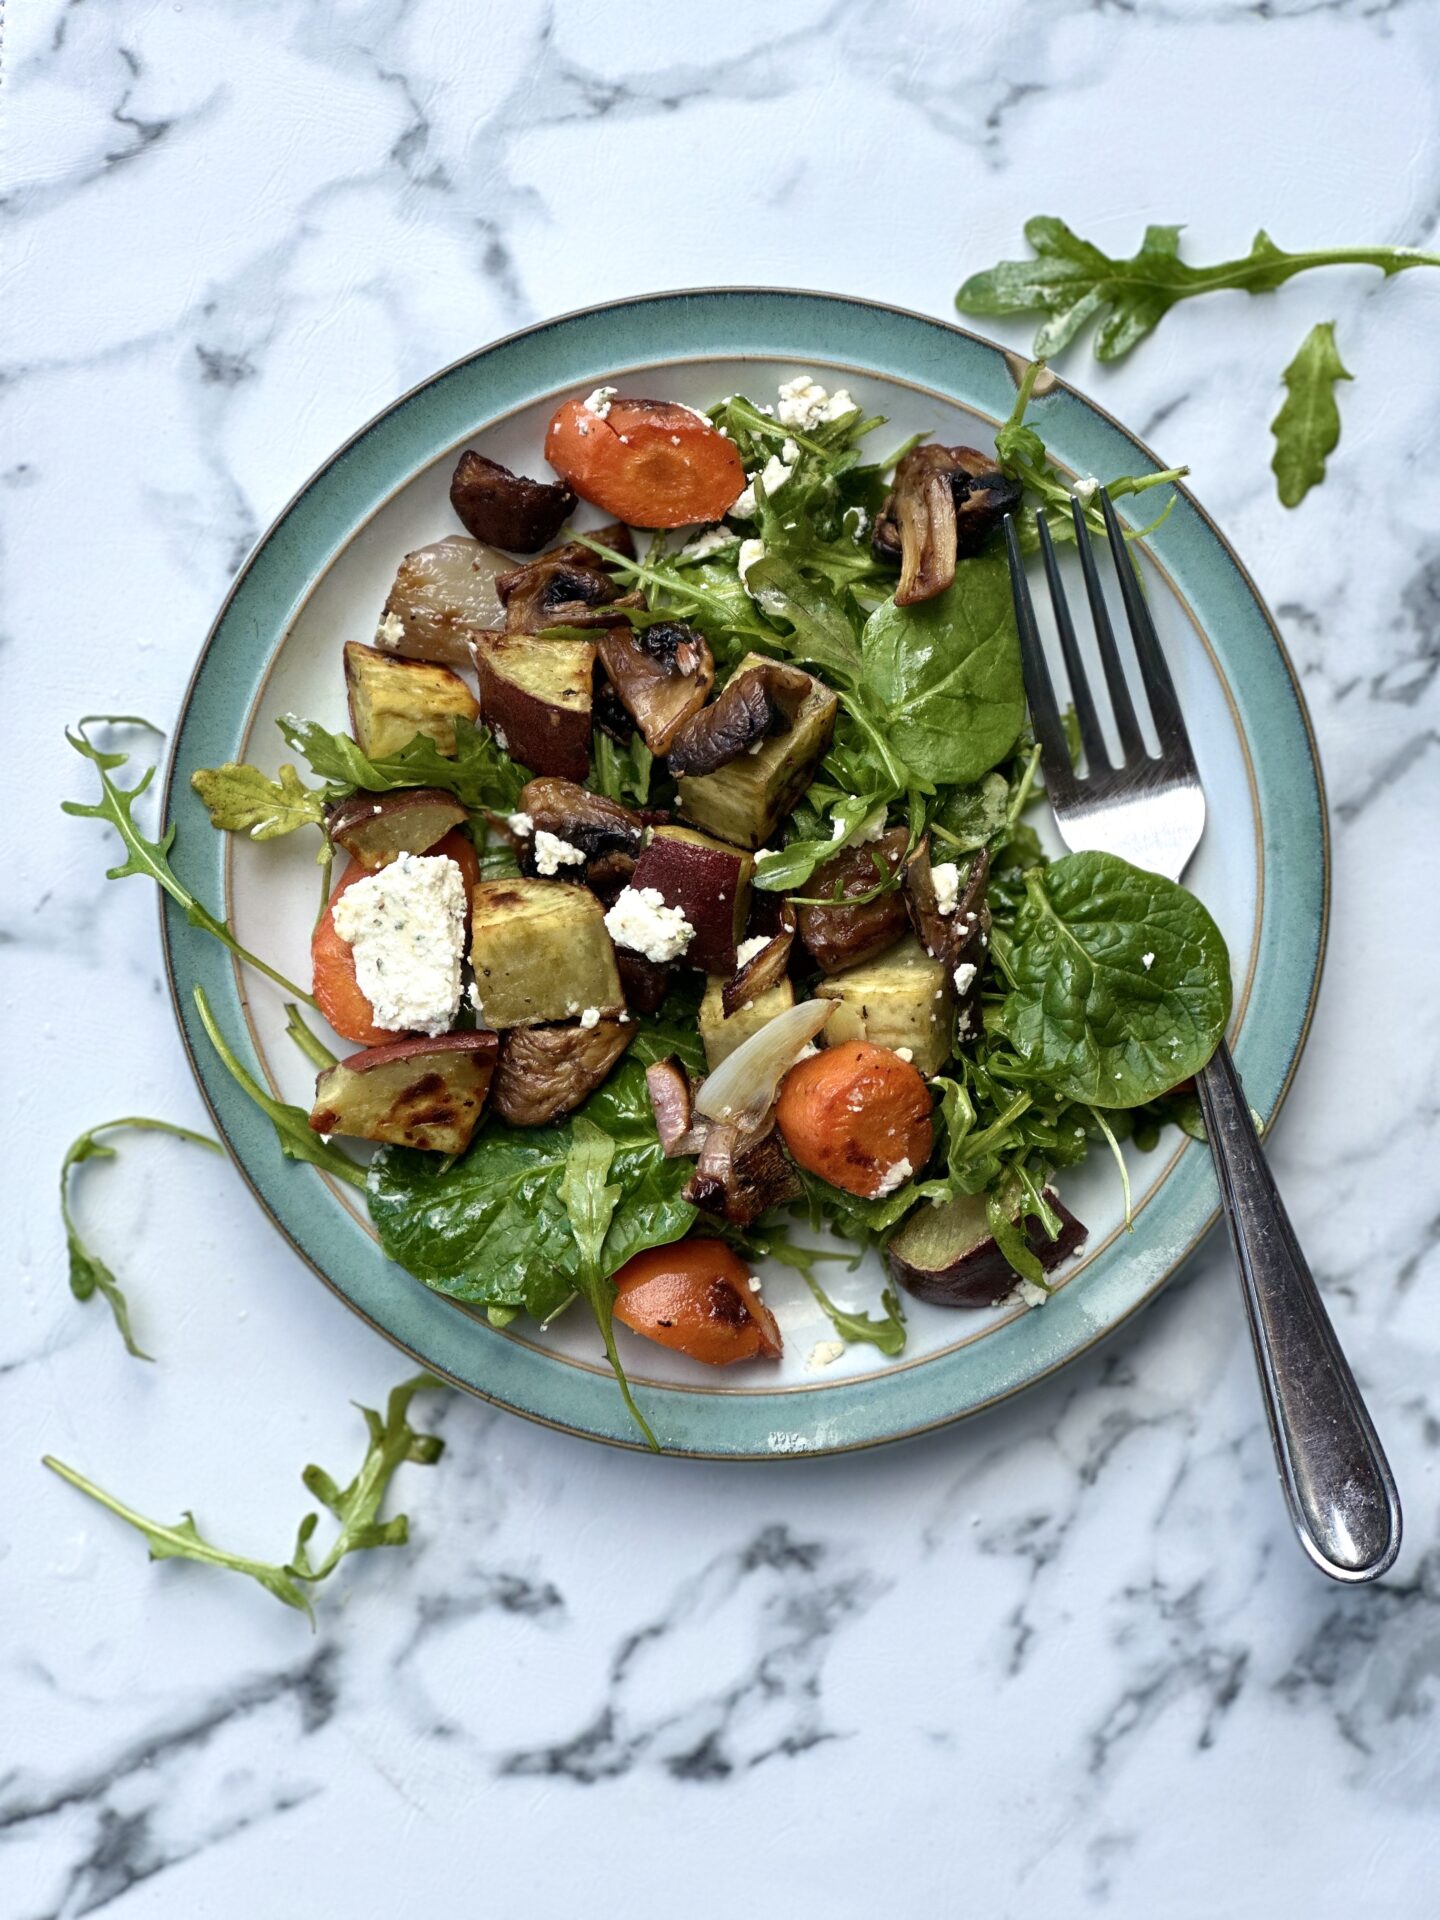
(743, 1088)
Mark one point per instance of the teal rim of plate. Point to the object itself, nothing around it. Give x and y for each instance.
(573, 352)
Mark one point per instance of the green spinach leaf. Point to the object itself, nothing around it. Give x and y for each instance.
(590, 1205)
(1120, 981)
(945, 675)
(491, 1228)
(1307, 427)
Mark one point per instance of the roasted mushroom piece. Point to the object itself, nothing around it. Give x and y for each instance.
(562, 588)
(957, 938)
(505, 509)
(766, 966)
(662, 674)
(545, 1072)
(741, 1175)
(673, 1102)
(855, 928)
(943, 504)
(761, 701)
(579, 817)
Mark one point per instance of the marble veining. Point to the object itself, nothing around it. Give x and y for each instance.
(1062, 1660)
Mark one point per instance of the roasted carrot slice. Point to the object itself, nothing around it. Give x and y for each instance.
(858, 1116)
(650, 463)
(695, 1296)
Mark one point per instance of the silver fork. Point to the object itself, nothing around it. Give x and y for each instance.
(1151, 811)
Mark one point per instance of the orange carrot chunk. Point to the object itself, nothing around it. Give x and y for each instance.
(695, 1296)
(650, 463)
(858, 1116)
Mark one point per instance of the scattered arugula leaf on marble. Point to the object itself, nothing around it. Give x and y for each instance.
(1073, 282)
(392, 1442)
(89, 1274)
(297, 1139)
(1307, 427)
(143, 855)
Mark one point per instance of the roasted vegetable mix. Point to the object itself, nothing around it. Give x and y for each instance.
(690, 883)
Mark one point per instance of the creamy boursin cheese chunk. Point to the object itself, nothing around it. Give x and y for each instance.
(405, 926)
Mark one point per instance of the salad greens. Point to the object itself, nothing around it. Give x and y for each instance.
(151, 858)
(590, 1207)
(1120, 981)
(242, 799)
(392, 1442)
(1307, 427)
(1075, 283)
(89, 1274)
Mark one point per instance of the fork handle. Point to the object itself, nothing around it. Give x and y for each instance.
(1338, 1484)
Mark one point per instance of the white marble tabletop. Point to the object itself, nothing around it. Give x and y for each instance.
(1063, 1658)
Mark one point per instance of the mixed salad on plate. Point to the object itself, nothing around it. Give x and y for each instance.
(689, 895)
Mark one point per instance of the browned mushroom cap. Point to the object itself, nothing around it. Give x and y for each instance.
(933, 927)
(555, 591)
(958, 940)
(739, 1176)
(766, 969)
(674, 1108)
(943, 504)
(662, 674)
(855, 929)
(548, 1071)
(505, 508)
(760, 701)
(608, 834)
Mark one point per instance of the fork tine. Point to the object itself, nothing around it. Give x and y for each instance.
(1154, 672)
(1054, 749)
(1097, 758)
(1132, 741)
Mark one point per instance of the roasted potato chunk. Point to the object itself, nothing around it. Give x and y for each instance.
(903, 999)
(536, 698)
(392, 700)
(545, 1072)
(720, 1033)
(947, 1255)
(413, 1093)
(540, 953)
(374, 827)
(745, 801)
(710, 884)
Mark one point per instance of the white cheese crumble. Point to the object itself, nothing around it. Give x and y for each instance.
(768, 853)
(599, 402)
(804, 403)
(590, 1017)
(1147, 960)
(1025, 1293)
(552, 853)
(472, 994)
(772, 476)
(520, 823)
(809, 1051)
(405, 926)
(1085, 489)
(825, 1353)
(390, 632)
(964, 975)
(713, 540)
(873, 827)
(754, 1283)
(896, 1176)
(641, 921)
(947, 886)
(907, 1054)
(750, 552)
(747, 949)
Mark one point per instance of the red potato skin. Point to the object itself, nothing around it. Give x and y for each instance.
(332, 961)
(547, 738)
(695, 1297)
(706, 884)
(649, 462)
(485, 1044)
(852, 1113)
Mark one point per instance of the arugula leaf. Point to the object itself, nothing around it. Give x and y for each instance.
(491, 1228)
(480, 775)
(1307, 427)
(590, 1205)
(393, 1441)
(1121, 981)
(89, 1274)
(242, 799)
(150, 858)
(886, 1333)
(1075, 282)
(310, 1044)
(946, 674)
(622, 773)
(296, 1138)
